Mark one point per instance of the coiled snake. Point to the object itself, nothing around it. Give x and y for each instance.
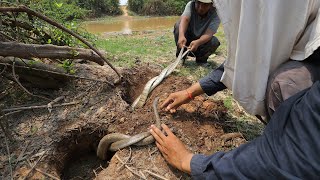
(116, 141)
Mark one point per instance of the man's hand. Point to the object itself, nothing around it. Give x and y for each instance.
(182, 41)
(194, 45)
(172, 149)
(175, 100)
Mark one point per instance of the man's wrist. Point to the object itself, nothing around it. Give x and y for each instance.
(185, 166)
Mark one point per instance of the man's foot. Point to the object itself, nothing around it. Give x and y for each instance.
(201, 60)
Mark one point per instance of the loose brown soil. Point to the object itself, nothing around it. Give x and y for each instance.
(69, 135)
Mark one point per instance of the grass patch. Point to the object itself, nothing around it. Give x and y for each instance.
(148, 47)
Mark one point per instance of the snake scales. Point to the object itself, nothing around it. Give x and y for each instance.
(116, 141)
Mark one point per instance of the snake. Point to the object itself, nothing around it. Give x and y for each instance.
(155, 81)
(115, 141)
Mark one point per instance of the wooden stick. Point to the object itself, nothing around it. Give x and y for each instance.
(38, 107)
(129, 168)
(156, 175)
(47, 174)
(9, 157)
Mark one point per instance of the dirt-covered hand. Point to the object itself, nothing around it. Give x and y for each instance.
(194, 46)
(175, 100)
(172, 149)
(182, 41)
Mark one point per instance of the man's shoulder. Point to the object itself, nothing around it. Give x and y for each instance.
(189, 4)
(213, 11)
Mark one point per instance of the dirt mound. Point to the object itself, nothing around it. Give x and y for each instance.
(65, 140)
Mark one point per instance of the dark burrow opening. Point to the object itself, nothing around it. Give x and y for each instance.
(77, 155)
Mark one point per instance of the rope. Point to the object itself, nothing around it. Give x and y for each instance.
(115, 141)
(154, 82)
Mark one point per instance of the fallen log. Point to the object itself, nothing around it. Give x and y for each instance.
(29, 51)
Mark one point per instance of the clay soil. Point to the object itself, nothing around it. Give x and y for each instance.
(63, 143)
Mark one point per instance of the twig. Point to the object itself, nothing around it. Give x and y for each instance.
(49, 106)
(130, 153)
(156, 175)
(22, 153)
(9, 157)
(47, 174)
(129, 168)
(17, 81)
(4, 69)
(53, 23)
(33, 167)
(6, 36)
(142, 174)
(5, 130)
(6, 2)
(39, 107)
(8, 114)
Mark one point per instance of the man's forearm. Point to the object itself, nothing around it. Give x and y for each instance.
(204, 38)
(184, 22)
(195, 90)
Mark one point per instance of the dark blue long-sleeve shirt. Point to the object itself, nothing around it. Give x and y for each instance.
(289, 148)
(211, 83)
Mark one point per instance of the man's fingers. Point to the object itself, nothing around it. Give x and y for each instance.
(167, 130)
(166, 103)
(162, 149)
(173, 106)
(157, 134)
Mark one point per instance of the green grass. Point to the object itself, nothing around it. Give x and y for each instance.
(127, 49)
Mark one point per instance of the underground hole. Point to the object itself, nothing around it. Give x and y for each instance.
(76, 155)
(84, 165)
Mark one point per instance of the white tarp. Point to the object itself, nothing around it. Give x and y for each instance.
(261, 35)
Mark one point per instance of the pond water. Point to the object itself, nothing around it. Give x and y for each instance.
(127, 24)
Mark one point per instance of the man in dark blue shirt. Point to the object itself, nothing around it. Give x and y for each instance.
(288, 149)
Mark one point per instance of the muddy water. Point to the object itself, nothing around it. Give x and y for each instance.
(127, 24)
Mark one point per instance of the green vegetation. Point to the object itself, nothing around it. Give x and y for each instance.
(67, 14)
(156, 47)
(67, 10)
(157, 7)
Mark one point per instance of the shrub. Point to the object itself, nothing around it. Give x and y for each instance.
(157, 7)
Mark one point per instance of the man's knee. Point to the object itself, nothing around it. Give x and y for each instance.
(208, 48)
(289, 79)
(215, 42)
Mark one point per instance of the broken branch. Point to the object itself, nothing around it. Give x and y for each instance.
(29, 51)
